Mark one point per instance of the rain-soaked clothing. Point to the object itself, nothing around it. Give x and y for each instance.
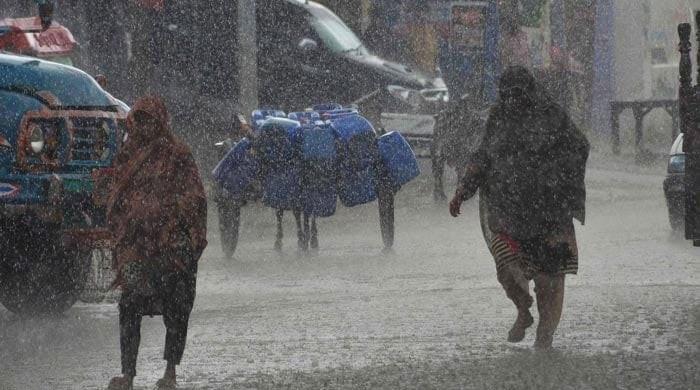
(529, 170)
(173, 296)
(157, 204)
(157, 214)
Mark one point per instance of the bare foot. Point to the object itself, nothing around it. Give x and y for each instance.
(121, 383)
(524, 321)
(166, 383)
(543, 343)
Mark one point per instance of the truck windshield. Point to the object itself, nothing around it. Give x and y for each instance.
(70, 86)
(334, 33)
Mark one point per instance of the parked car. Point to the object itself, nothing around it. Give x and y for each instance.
(307, 54)
(674, 188)
(58, 132)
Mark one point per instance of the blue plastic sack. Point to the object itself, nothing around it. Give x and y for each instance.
(276, 138)
(357, 177)
(319, 163)
(305, 117)
(258, 118)
(237, 170)
(318, 142)
(398, 158)
(282, 188)
(280, 166)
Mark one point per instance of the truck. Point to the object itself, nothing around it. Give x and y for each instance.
(59, 132)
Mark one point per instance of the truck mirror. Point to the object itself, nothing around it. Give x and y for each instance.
(308, 45)
(101, 80)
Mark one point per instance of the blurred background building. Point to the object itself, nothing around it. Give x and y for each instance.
(610, 49)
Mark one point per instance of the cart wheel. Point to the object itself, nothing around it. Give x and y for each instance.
(229, 225)
(386, 215)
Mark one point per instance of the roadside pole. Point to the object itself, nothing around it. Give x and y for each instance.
(247, 57)
(603, 90)
(559, 42)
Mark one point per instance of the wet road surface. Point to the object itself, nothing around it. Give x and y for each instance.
(429, 315)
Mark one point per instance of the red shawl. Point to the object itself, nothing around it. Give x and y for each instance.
(157, 198)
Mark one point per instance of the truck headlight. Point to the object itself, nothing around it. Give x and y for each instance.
(36, 138)
(4, 143)
(676, 164)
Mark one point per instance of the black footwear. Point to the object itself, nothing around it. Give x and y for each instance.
(524, 321)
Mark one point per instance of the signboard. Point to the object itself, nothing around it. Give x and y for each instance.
(468, 25)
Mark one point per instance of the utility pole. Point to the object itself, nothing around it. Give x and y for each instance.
(247, 56)
(560, 51)
(603, 90)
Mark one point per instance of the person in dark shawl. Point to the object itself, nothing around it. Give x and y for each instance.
(529, 170)
(157, 212)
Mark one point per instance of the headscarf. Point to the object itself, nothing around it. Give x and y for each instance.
(157, 203)
(518, 92)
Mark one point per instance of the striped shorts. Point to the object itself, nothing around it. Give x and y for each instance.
(507, 251)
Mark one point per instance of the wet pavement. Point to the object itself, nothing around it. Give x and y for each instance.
(429, 315)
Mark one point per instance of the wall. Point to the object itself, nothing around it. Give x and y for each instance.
(632, 59)
(646, 46)
(646, 61)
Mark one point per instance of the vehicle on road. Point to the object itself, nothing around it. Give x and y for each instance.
(58, 131)
(674, 187)
(304, 46)
(305, 54)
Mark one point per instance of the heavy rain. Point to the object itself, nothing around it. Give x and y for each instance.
(342, 194)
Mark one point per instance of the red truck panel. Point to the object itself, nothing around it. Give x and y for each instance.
(26, 37)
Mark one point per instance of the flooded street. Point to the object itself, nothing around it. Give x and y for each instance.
(429, 315)
(123, 125)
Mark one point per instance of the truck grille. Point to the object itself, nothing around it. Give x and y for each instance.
(91, 139)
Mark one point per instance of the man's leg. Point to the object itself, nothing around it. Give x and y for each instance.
(510, 273)
(129, 340)
(549, 289)
(176, 321)
(177, 306)
(517, 288)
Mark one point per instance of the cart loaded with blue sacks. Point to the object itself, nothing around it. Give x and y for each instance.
(304, 162)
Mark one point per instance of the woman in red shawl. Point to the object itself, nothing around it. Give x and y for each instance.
(156, 210)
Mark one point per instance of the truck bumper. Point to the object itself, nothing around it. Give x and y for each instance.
(64, 201)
